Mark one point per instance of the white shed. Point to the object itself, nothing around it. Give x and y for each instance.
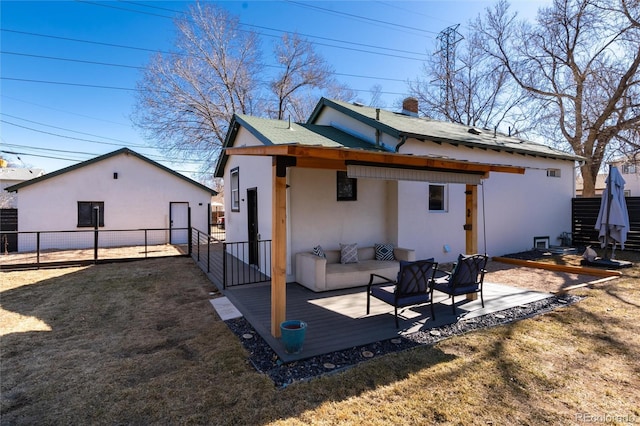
(128, 192)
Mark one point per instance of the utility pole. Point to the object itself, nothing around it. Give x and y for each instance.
(448, 39)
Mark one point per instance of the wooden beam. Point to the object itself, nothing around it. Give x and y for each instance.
(319, 163)
(373, 157)
(471, 225)
(559, 268)
(471, 219)
(278, 248)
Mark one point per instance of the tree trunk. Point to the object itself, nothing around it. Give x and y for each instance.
(588, 181)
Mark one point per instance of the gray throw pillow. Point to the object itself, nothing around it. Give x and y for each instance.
(349, 253)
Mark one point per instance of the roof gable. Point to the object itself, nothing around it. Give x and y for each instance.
(399, 125)
(102, 158)
(278, 132)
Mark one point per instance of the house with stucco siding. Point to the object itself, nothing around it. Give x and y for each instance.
(121, 190)
(420, 208)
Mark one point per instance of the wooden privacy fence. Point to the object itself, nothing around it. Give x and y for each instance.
(584, 213)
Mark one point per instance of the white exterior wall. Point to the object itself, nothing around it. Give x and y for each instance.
(319, 219)
(331, 117)
(632, 182)
(518, 207)
(138, 199)
(254, 172)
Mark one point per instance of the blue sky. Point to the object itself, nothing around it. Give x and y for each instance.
(69, 68)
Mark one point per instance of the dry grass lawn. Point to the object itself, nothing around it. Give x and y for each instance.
(138, 343)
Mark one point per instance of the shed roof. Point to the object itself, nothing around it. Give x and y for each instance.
(101, 158)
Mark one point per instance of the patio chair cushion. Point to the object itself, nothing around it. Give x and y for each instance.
(386, 294)
(384, 252)
(349, 253)
(445, 287)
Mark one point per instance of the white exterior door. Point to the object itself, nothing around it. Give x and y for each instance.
(179, 222)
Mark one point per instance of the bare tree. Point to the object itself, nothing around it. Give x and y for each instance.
(376, 96)
(303, 72)
(580, 64)
(186, 99)
(463, 84)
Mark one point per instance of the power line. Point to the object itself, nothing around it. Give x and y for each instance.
(71, 60)
(61, 128)
(66, 84)
(37, 148)
(125, 88)
(67, 137)
(77, 160)
(359, 17)
(143, 68)
(66, 112)
(273, 29)
(310, 36)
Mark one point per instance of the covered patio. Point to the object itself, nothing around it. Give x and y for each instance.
(282, 304)
(337, 320)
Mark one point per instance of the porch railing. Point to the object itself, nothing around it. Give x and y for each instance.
(232, 263)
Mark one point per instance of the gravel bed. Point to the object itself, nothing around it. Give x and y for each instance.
(266, 361)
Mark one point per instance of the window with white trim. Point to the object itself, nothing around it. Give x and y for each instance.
(437, 198)
(235, 189)
(553, 173)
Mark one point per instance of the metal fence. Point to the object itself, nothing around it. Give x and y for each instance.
(228, 263)
(232, 263)
(51, 248)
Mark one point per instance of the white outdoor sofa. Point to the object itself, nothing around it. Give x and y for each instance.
(322, 274)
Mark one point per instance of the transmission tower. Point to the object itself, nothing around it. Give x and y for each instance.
(448, 39)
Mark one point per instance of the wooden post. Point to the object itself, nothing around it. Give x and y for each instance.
(279, 247)
(471, 225)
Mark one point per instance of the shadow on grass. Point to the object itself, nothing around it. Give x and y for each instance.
(140, 343)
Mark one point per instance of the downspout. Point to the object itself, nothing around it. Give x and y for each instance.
(377, 130)
(403, 140)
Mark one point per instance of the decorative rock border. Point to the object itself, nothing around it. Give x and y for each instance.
(264, 360)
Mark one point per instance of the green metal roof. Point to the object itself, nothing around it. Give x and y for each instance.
(104, 157)
(279, 132)
(399, 125)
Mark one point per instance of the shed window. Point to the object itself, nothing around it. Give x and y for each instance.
(235, 189)
(437, 198)
(86, 215)
(553, 173)
(628, 169)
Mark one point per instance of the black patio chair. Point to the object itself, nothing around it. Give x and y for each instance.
(467, 276)
(412, 287)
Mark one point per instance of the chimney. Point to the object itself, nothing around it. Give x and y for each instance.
(410, 107)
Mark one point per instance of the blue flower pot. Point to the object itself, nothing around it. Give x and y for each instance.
(293, 333)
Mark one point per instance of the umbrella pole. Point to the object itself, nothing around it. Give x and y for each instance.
(609, 199)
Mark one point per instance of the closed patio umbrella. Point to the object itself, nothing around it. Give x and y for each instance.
(613, 218)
